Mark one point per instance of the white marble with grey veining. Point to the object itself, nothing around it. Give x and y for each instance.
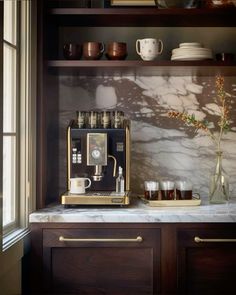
(138, 212)
(162, 148)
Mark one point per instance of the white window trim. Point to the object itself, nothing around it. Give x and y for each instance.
(1, 114)
(27, 173)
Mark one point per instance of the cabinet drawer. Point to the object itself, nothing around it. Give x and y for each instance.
(112, 261)
(205, 237)
(100, 237)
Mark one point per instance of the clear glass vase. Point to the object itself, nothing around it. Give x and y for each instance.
(219, 183)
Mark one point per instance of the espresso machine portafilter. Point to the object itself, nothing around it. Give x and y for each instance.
(98, 143)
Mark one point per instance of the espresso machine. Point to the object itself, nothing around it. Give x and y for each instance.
(98, 143)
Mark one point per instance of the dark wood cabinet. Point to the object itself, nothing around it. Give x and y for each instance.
(206, 260)
(99, 260)
(113, 259)
(120, 266)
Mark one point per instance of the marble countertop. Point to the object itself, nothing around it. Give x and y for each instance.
(138, 212)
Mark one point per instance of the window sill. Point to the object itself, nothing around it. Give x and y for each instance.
(14, 237)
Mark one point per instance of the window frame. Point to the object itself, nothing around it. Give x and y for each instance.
(10, 227)
(25, 124)
(1, 113)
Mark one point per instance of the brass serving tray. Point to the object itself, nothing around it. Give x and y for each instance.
(172, 203)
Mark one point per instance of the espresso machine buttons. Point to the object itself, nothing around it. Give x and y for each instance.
(76, 152)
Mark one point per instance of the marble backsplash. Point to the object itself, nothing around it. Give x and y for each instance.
(161, 147)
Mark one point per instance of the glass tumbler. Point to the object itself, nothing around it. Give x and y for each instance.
(151, 190)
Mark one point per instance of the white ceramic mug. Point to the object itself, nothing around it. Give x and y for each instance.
(77, 185)
(149, 48)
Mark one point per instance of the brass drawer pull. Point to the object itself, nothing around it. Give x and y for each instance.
(136, 240)
(199, 240)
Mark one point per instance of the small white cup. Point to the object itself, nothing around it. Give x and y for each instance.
(149, 48)
(77, 185)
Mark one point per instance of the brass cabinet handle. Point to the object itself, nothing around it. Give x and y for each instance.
(136, 240)
(199, 240)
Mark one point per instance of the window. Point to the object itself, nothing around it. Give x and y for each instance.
(17, 117)
(10, 113)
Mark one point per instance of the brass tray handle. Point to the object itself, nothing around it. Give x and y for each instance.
(199, 240)
(136, 240)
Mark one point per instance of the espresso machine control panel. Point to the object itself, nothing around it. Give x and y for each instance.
(76, 152)
(98, 143)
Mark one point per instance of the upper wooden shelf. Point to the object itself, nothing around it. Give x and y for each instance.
(146, 68)
(145, 17)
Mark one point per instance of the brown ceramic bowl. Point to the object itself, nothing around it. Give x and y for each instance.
(116, 51)
(72, 51)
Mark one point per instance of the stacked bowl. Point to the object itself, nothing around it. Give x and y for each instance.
(191, 51)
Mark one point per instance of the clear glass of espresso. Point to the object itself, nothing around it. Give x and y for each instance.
(151, 190)
(184, 190)
(167, 190)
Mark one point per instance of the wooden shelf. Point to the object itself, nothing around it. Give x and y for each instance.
(146, 68)
(144, 17)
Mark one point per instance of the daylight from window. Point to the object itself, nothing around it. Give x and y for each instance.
(10, 51)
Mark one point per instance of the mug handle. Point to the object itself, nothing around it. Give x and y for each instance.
(101, 51)
(138, 45)
(89, 184)
(161, 49)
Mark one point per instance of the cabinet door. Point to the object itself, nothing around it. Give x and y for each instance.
(122, 265)
(208, 265)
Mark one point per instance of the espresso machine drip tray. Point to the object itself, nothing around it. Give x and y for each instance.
(96, 198)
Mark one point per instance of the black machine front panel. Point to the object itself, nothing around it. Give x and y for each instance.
(116, 146)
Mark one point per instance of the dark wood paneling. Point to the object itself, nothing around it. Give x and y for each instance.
(47, 111)
(168, 259)
(102, 270)
(144, 17)
(35, 261)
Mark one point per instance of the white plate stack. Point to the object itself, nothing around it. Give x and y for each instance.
(191, 51)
